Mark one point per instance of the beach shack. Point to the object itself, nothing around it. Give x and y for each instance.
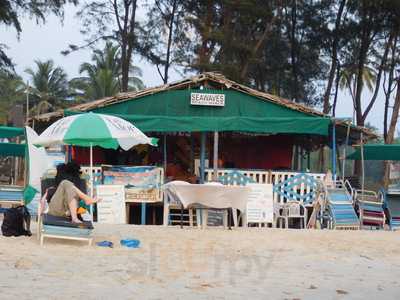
(207, 126)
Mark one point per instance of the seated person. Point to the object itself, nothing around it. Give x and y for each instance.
(65, 200)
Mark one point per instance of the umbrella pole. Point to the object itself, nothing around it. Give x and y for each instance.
(91, 178)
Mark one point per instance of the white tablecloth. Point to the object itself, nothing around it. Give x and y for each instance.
(209, 195)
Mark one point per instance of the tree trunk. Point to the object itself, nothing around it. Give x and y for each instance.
(388, 91)
(362, 56)
(203, 51)
(334, 58)
(128, 41)
(392, 128)
(256, 48)
(293, 52)
(170, 33)
(336, 91)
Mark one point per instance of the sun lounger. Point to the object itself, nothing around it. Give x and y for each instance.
(61, 228)
(370, 208)
(391, 203)
(11, 195)
(340, 207)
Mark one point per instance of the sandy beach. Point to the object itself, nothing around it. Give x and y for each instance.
(174, 263)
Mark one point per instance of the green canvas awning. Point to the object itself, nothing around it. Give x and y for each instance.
(9, 132)
(12, 149)
(377, 152)
(171, 111)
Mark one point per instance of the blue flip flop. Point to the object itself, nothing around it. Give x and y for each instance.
(130, 243)
(105, 244)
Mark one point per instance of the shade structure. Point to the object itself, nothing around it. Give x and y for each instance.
(377, 152)
(12, 149)
(172, 111)
(91, 129)
(9, 132)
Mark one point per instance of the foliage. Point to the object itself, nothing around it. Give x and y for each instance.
(104, 75)
(164, 37)
(49, 87)
(11, 91)
(114, 21)
(12, 11)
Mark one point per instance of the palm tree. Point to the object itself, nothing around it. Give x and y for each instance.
(49, 86)
(12, 90)
(104, 75)
(348, 78)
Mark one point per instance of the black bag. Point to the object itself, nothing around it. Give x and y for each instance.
(16, 222)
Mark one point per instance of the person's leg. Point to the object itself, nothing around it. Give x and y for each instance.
(70, 199)
(73, 207)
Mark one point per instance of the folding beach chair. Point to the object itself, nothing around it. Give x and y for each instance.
(391, 204)
(61, 228)
(370, 208)
(11, 195)
(340, 207)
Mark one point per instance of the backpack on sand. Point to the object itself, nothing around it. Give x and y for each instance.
(16, 222)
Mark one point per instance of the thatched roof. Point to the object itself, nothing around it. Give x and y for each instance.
(210, 78)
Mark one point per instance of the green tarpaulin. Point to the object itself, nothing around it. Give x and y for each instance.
(12, 149)
(377, 152)
(171, 111)
(9, 132)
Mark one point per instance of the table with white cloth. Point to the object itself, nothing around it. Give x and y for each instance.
(213, 196)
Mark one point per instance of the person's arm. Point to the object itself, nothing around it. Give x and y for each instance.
(87, 199)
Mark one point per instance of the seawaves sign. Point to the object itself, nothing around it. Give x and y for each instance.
(207, 99)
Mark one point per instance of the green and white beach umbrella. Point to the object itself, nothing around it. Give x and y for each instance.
(91, 129)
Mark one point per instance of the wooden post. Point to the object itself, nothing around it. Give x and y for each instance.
(143, 214)
(215, 158)
(333, 151)
(202, 155)
(165, 153)
(362, 166)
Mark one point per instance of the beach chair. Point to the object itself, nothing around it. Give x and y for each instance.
(391, 204)
(11, 195)
(61, 228)
(340, 207)
(370, 209)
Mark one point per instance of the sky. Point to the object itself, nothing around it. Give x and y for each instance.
(46, 41)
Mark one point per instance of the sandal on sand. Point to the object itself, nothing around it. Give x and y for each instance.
(105, 244)
(130, 243)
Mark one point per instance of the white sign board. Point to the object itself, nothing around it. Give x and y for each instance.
(207, 99)
(111, 208)
(260, 206)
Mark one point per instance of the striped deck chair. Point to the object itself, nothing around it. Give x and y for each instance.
(391, 204)
(11, 194)
(370, 209)
(61, 228)
(340, 208)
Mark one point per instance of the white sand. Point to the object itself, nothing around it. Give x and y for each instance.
(174, 263)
